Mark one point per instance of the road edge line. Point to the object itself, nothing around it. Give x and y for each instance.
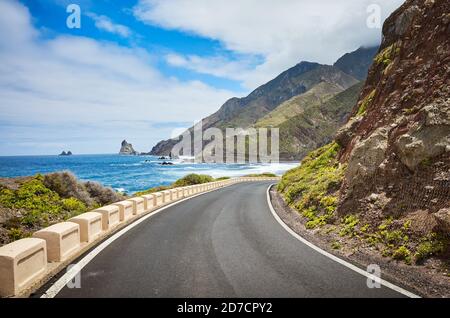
(331, 256)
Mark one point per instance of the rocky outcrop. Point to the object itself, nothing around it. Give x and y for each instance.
(398, 139)
(367, 156)
(429, 138)
(64, 153)
(127, 149)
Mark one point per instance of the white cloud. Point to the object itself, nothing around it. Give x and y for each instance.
(85, 92)
(284, 32)
(106, 24)
(216, 65)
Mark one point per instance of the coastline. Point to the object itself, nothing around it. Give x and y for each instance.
(128, 173)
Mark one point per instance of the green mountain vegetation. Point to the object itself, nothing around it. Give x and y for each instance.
(298, 94)
(297, 105)
(317, 124)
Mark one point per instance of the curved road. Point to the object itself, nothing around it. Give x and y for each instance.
(225, 243)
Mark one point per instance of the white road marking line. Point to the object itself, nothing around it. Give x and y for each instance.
(333, 257)
(70, 275)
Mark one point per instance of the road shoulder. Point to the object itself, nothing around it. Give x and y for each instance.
(412, 278)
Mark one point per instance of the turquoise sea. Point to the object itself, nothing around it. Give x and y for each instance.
(127, 173)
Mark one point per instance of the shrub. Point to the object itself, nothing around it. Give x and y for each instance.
(349, 222)
(67, 186)
(73, 205)
(386, 56)
(153, 190)
(402, 253)
(15, 234)
(265, 174)
(222, 178)
(336, 245)
(310, 188)
(386, 223)
(102, 195)
(190, 179)
(365, 103)
(37, 202)
(394, 237)
(430, 246)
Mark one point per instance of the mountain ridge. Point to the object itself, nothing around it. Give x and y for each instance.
(247, 111)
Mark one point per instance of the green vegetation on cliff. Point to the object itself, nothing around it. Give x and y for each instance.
(311, 188)
(317, 124)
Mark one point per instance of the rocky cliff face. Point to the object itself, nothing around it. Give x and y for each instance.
(127, 149)
(383, 186)
(397, 144)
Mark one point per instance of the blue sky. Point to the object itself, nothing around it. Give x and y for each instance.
(143, 70)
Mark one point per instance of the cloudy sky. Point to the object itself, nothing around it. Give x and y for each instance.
(142, 69)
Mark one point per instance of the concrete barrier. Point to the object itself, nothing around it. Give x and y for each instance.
(180, 193)
(110, 216)
(90, 225)
(159, 197)
(125, 210)
(173, 194)
(149, 202)
(166, 196)
(138, 205)
(62, 239)
(22, 263)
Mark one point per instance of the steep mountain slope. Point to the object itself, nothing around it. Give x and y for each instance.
(357, 63)
(317, 124)
(244, 112)
(308, 80)
(386, 178)
(296, 105)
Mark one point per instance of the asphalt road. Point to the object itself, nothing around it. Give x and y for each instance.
(224, 243)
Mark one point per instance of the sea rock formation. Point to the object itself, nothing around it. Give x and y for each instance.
(127, 149)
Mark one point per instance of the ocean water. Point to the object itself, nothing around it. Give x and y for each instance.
(127, 173)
